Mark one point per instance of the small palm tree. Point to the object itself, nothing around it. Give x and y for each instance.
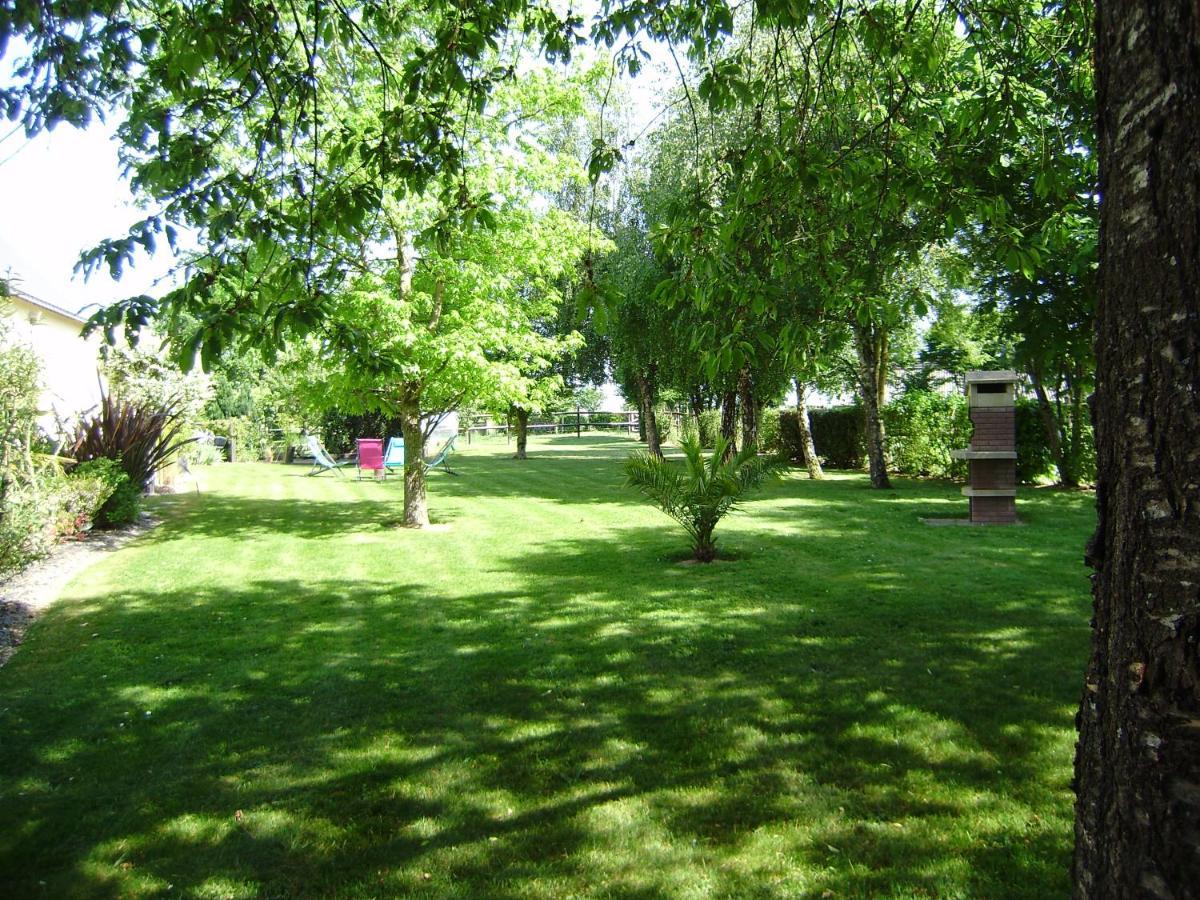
(703, 491)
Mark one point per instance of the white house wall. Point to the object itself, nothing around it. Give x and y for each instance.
(70, 377)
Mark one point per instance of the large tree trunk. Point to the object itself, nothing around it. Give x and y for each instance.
(870, 343)
(416, 510)
(1137, 765)
(522, 417)
(808, 450)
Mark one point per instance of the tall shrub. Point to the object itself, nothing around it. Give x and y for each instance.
(1035, 459)
(770, 438)
(26, 528)
(666, 422)
(708, 426)
(922, 428)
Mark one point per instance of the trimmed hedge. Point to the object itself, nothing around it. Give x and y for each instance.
(922, 429)
(837, 434)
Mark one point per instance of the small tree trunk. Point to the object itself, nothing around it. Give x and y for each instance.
(729, 422)
(522, 416)
(416, 510)
(1074, 454)
(705, 549)
(808, 450)
(653, 441)
(3, 492)
(1052, 428)
(649, 417)
(641, 415)
(749, 409)
(870, 343)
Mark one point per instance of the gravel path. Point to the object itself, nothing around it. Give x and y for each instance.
(27, 593)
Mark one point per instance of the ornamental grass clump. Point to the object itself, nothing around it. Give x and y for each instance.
(703, 491)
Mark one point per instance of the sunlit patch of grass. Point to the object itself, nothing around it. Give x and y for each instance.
(279, 693)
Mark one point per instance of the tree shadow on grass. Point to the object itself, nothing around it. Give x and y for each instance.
(565, 470)
(795, 722)
(923, 744)
(577, 480)
(228, 515)
(349, 737)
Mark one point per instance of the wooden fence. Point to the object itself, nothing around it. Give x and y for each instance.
(576, 423)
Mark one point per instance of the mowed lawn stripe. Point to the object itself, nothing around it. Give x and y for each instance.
(280, 692)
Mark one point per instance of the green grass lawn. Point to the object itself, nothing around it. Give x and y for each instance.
(279, 693)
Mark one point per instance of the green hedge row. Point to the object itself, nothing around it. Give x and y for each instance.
(922, 429)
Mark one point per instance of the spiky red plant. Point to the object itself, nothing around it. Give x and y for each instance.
(143, 439)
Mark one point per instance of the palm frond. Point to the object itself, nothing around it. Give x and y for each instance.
(703, 491)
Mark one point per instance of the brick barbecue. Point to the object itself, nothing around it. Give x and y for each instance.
(992, 456)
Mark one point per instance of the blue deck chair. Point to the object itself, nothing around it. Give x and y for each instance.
(442, 457)
(322, 461)
(393, 457)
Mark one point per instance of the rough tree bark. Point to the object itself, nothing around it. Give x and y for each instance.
(808, 450)
(416, 510)
(522, 417)
(649, 417)
(1064, 446)
(749, 409)
(1137, 765)
(871, 346)
(729, 422)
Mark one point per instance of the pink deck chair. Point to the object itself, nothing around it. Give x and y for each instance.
(370, 456)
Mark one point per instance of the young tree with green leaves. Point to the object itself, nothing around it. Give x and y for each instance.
(642, 332)
(431, 299)
(462, 333)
